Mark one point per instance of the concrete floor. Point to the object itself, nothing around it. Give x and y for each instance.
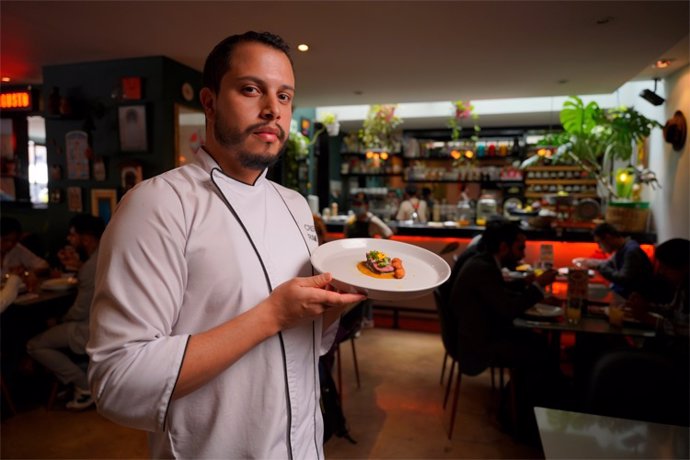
(396, 413)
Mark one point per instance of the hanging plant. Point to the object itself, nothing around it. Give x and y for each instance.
(461, 111)
(378, 128)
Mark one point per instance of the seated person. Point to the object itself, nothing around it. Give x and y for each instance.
(484, 305)
(412, 208)
(628, 269)
(73, 332)
(364, 224)
(673, 266)
(15, 255)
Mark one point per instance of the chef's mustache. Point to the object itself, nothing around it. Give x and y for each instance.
(252, 128)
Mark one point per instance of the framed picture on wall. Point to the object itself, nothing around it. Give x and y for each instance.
(132, 123)
(103, 202)
(74, 199)
(77, 147)
(131, 174)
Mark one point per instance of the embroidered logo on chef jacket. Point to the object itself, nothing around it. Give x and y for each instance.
(311, 232)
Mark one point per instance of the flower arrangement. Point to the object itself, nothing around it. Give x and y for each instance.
(462, 110)
(378, 128)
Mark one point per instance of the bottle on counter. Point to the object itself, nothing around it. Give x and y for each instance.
(486, 207)
(334, 209)
(436, 213)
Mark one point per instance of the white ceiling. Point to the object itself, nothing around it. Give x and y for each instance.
(372, 52)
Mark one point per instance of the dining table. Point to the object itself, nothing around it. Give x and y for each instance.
(567, 434)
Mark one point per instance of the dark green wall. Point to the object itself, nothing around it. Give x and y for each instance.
(91, 89)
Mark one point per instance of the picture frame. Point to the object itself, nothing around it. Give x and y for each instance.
(131, 173)
(77, 147)
(103, 202)
(75, 202)
(132, 127)
(131, 88)
(305, 126)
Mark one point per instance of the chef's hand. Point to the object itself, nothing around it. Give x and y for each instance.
(306, 298)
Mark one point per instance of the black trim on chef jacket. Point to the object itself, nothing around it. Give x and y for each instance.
(270, 289)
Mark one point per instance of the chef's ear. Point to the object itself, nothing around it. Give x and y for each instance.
(208, 102)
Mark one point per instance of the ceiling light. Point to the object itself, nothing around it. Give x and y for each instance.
(5, 79)
(662, 63)
(303, 47)
(651, 96)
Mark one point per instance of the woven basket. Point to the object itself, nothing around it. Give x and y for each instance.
(628, 217)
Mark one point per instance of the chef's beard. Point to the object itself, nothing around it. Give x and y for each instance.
(235, 140)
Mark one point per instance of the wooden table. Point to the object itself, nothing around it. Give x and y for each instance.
(567, 434)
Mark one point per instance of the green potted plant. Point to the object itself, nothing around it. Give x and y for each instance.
(593, 138)
(379, 127)
(330, 122)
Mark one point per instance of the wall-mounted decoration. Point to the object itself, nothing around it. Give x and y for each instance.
(190, 130)
(55, 172)
(99, 172)
(187, 92)
(103, 202)
(130, 175)
(77, 146)
(131, 88)
(74, 199)
(132, 120)
(8, 192)
(305, 126)
(55, 195)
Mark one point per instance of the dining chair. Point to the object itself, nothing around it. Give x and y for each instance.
(349, 329)
(449, 338)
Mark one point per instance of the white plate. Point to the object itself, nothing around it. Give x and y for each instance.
(564, 272)
(424, 270)
(59, 284)
(544, 310)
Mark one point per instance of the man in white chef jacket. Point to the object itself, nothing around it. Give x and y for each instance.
(207, 323)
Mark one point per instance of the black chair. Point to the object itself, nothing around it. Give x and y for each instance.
(449, 337)
(349, 329)
(639, 385)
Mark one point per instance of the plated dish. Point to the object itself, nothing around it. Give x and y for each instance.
(59, 284)
(543, 310)
(424, 270)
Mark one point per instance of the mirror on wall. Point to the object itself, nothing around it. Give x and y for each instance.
(190, 129)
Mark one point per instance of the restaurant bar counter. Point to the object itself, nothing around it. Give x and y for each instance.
(567, 244)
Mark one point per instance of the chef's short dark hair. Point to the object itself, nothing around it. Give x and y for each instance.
(218, 60)
(604, 229)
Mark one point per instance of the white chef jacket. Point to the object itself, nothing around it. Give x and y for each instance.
(174, 261)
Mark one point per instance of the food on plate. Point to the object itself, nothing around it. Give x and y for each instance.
(379, 265)
(523, 268)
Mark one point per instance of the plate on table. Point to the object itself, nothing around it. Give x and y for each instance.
(564, 272)
(627, 316)
(424, 270)
(543, 310)
(59, 284)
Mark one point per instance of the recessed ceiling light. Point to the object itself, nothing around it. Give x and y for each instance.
(562, 81)
(358, 93)
(662, 63)
(303, 47)
(5, 79)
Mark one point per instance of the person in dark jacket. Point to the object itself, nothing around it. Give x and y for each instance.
(629, 269)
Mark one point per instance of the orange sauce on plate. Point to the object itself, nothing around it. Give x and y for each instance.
(362, 267)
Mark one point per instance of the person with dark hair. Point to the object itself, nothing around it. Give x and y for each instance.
(628, 268)
(364, 224)
(673, 266)
(412, 208)
(15, 256)
(207, 322)
(484, 305)
(52, 348)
